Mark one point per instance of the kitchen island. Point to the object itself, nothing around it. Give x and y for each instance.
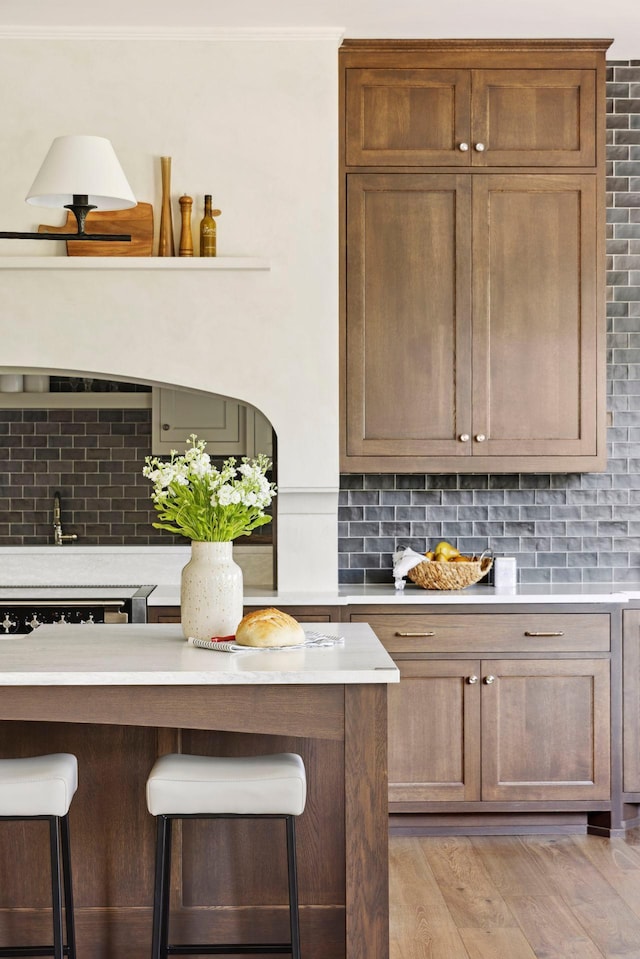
(117, 696)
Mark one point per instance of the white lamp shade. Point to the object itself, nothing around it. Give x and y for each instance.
(81, 165)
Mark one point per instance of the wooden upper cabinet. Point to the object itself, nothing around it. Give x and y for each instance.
(473, 299)
(462, 118)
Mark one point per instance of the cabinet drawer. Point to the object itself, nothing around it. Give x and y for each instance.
(482, 632)
(163, 614)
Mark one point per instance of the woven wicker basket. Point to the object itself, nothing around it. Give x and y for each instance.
(432, 575)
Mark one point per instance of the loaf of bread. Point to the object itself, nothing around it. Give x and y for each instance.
(269, 627)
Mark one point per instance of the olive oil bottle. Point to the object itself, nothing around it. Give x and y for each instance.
(208, 229)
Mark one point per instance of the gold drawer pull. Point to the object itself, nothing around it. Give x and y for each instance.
(529, 632)
(414, 634)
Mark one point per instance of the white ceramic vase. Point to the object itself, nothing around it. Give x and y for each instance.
(211, 592)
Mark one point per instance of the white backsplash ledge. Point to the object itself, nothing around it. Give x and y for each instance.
(76, 565)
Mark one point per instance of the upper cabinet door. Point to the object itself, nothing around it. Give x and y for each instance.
(533, 118)
(407, 117)
(408, 343)
(536, 336)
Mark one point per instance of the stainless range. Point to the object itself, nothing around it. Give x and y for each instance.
(24, 608)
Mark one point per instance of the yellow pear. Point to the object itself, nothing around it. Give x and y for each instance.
(446, 549)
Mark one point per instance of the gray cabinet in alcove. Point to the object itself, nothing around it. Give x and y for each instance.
(230, 428)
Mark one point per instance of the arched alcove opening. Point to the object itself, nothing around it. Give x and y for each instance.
(87, 436)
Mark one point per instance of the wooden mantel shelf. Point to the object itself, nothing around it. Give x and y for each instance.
(133, 263)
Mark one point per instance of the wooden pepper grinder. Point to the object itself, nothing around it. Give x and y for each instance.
(186, 237)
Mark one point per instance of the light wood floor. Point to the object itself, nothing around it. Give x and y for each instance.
(515, 897)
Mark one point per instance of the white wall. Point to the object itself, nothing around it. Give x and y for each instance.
(252, 120)
(359, 18)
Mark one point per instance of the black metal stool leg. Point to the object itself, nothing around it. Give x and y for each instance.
(162, 890)
(68, 888)
(292, 869)
(166, 889)
(160, 947)
(56, 890)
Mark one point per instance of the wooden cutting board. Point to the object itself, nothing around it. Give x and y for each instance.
(138, 221)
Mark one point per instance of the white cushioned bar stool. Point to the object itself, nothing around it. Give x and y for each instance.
(207, 787)
(42, 787)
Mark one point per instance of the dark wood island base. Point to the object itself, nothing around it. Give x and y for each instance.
(117, 731)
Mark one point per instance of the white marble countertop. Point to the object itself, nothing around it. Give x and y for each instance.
(169, 595)
(150, 655)
(80, 569)
(163, 594)
(485, 595)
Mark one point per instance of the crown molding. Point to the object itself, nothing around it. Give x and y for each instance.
(187, 34)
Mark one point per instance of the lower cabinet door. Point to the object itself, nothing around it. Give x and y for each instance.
(545, 730)
(434, 732)
(631, 699)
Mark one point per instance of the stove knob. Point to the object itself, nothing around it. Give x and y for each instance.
(60, 619)
(7, 624)
(34, 622)
(90, 621)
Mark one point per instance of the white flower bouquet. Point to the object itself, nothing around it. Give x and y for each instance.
(196, 499)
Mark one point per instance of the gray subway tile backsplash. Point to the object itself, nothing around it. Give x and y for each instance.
(95, 459)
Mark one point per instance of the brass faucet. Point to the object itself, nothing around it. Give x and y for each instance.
(58, 536)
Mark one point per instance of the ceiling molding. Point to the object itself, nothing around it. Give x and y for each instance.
(188, 34)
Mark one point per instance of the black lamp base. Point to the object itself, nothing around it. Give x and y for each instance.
(80, 208)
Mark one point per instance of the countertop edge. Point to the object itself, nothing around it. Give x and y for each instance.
(167, 595)
(319, 678)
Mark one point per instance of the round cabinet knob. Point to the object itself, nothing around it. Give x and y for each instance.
(463, 147)
(472, 680)
(480, 438)
(166, 426)
(479, 147)
(464, 437)
(488, 680)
